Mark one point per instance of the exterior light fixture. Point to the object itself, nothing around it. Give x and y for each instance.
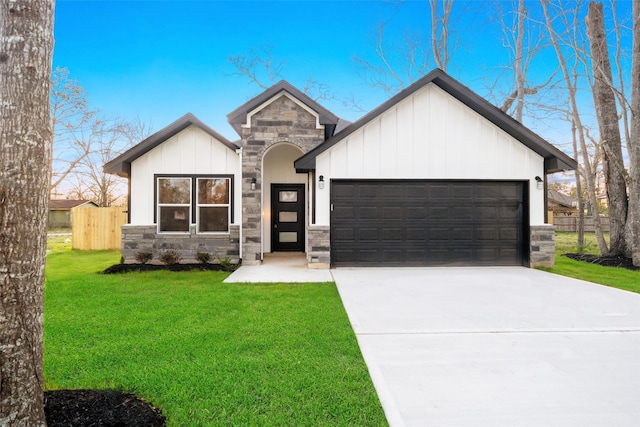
(253, 183)
(321, 182)
(539, 183)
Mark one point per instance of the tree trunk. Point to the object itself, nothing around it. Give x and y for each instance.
(518, 69)
(634, 142)
(26, 46)
(607, 114)
(571, 81)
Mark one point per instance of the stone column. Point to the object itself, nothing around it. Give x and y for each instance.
(542, 246)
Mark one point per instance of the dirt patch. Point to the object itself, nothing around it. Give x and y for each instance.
(104, 408)
(127, 268)
(606, 261)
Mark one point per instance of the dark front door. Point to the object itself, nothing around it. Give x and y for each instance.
(287, 217)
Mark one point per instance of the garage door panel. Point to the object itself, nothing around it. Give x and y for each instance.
(393, 212)
(436, 212)
(427, 223)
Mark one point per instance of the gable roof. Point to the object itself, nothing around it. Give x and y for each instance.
(554, 159)
(121, 165)
(64, 204)
(238, 116)
(562, 199)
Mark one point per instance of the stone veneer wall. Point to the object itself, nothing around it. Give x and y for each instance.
(283, 120)
(318, 246)
(543, 245)
(137, 238)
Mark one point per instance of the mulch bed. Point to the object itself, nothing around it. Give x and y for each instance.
(606, 261)
(126, 268)
(100, 408)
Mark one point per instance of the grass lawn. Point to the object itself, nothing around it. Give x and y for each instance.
(621, 278)
(205, 352)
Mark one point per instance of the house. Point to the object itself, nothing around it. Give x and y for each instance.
(60, 211)
(561, 205)
(434, 176)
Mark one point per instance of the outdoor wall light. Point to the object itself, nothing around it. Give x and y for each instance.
(253, 183)
(321, 182)
(539, 183)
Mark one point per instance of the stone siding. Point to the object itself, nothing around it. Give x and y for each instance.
(283, 120)
(543, 246)
(318, 246)
(138, 238)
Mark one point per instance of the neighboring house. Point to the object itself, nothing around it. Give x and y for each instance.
(561, 204)
(60, 211)
(434, 176)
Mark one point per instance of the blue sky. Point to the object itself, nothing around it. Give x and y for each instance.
(158, 60)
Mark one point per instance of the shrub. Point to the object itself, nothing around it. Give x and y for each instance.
(170, 257)
(203, 257)
(225, 263)
(144, 256)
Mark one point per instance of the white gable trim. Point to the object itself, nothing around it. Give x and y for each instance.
(275, 98)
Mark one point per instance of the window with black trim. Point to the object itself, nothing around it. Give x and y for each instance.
(201, 200)
(213, 205)
(174, 204)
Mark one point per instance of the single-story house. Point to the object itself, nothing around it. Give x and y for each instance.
(434, 176)
(561, 204)
(60, 211)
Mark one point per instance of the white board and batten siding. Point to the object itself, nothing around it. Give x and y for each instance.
(189, 152)
(430, 135)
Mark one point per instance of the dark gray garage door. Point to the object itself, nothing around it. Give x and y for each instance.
(427, 223)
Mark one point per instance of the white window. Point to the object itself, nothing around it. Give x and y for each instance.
(174, 204)
(213, 205)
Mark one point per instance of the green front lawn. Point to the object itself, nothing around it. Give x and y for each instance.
(620, 278)
(205, 352)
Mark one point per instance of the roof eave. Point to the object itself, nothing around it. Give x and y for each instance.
(558, 161)
(121, 165)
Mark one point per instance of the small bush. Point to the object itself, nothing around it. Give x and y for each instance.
(203, 257)
(144, 257)
(170, 257)
(225, 263)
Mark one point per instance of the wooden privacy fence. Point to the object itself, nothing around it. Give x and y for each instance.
(97, 228)
(570, 223)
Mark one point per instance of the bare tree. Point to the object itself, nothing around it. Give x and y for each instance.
(399, 65)
(26, 47)
(262, 69)
(110, 138)
(524, 40)
(71, 120)
(258, 66)
(634, 142)
(607, 114)
(569, 22)
(440, 32)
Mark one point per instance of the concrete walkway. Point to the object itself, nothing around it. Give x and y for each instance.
(496, 346)
(280, 267)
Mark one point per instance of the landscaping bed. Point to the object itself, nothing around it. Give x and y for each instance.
(70, 408)
(127, 268)
(606, 261)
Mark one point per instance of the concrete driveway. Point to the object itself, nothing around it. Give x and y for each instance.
(496, 346)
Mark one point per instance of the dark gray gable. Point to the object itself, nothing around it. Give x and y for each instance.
(555, 160)
(238, 116)
(121, 165)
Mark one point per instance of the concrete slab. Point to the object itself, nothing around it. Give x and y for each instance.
(496, 346)
(281, 267)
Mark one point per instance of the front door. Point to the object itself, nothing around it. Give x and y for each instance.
(287, 217)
